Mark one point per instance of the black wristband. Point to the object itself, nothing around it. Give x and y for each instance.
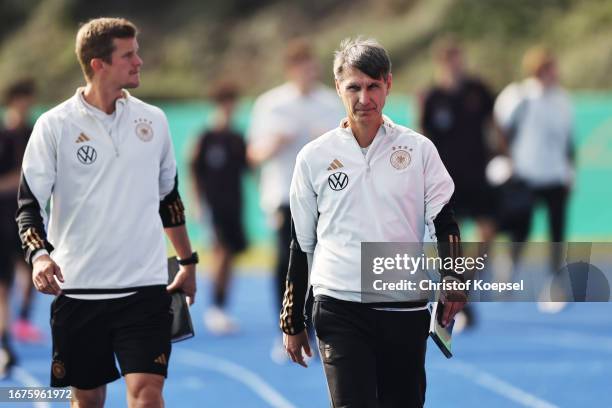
(192, 260)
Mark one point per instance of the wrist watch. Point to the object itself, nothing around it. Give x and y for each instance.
(192, 260)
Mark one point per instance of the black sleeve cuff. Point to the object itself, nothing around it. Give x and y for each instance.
(449, 239)
(32, 243)
(292, 319)
(30, 222)
(171, 209)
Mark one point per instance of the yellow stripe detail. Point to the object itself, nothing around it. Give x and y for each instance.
(28, 239)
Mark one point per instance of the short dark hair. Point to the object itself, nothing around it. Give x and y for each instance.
(445, 45)
(366, 55)
(22, 88)
(95, 40)
(224, 90)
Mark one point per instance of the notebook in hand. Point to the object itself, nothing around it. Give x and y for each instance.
(442, 336)
(182, 327)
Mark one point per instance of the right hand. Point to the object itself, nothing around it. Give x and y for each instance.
(454, 301)
(294, 345)
(44, 273)
(185, 281)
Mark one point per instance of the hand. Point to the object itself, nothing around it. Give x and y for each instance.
(294, 345)
(44, 273)
(453, 301)
(194, 210)
(185, 281)
(198, 210)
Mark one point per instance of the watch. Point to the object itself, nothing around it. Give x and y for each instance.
(192, 260)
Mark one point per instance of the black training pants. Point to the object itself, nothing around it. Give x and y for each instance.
(371, 358)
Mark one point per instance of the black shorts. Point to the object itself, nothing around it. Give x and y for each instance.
(229, 230)
(477, 201)
(10, 245)
(7, 269)
(88, 334)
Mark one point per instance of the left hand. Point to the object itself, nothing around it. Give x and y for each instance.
(453, 301)
(185, 281)
(294, 345)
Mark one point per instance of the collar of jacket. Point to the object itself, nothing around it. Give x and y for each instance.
(389, 125)
(83, 109)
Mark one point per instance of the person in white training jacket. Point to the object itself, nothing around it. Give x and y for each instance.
(367, 180)
(105, 161)
(536, 116)
(283, 120)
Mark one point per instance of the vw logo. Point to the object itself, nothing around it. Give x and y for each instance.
(87, 154)
(337, 181)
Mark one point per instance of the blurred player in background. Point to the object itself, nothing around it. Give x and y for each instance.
(537, 119)
(283, 120)
(14, 133)
(457, 115)
(217, 166)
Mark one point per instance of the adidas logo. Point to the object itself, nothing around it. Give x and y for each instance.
(82, 138)
(336, 164)
(161, 359)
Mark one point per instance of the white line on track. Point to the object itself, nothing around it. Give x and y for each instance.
(28, 380)
(571, 339)
(497, 385)
(236, 372)
(585, 321)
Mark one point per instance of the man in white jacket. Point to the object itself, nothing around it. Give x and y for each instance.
(283, 120)
(536, 117)
(367, 180)
(105, 161)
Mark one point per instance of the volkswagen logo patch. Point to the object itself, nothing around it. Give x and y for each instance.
(87, 154)
(337, 181)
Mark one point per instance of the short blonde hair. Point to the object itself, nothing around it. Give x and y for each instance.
(536, 58)
(297, 51)
(95, 40)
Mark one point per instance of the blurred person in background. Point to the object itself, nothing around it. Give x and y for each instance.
(217, 166)
(457, 115)
(14, 134)
(283, 120)
(537, 119)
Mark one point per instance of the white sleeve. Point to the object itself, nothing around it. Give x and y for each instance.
(507, 106)
(439, 186)
(303, 202)
(269, 123)
(167, 171)
(39, 166)
(38, 176)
